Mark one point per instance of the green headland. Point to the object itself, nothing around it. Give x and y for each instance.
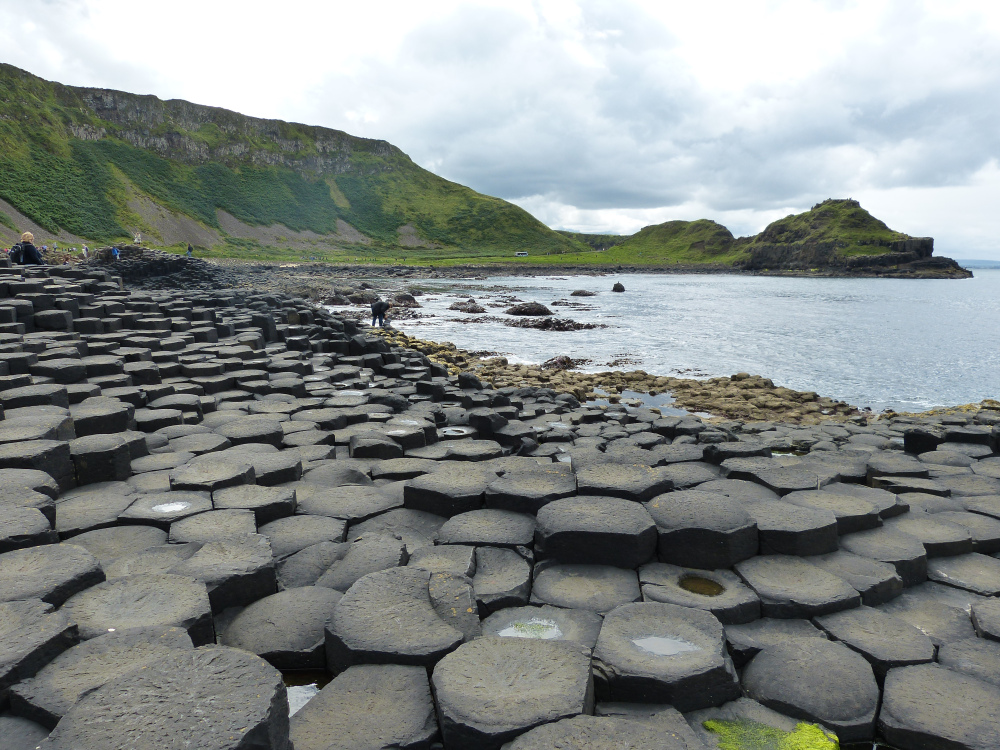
(100, 166)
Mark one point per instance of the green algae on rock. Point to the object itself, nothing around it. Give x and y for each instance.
(752, 735)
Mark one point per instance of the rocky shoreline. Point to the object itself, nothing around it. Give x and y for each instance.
(208, 493)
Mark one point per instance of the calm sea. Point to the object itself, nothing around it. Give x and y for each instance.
(884, 343)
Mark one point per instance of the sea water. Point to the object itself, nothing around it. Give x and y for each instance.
(885, 343)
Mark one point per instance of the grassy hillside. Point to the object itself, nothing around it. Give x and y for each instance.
(76, 160)
(842, 222)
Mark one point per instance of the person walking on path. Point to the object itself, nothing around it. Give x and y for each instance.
(379, 309)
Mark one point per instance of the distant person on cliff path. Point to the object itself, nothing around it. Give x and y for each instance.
(25, 253)
(114, 253)
(379, 309)
(190, 252)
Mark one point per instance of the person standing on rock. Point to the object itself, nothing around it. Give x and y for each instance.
(28, 255)
(379, 309)
(190, 252)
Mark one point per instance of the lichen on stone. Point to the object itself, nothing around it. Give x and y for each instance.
(752, 735)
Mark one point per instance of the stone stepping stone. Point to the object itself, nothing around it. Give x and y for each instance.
(100, 458)
(986, 618)
(353, 504)
(236, 572)
(529, 491)
(922, 502)
(97, 510)
(720, 592)
(31, 635)
(787, 529)
(287, 628)
(100, 417)
(340, 716)
(256, 429)
(939, 620)
(985, 531)
(653, 652)
(199, 444)
(595, 530)
(161, 509)
(852, 513)
(905, 553)
(877, 582)
(338, 473)
(494, 528)
(971, 485)
(895, 464)
(817, 680)
(977, 573)
(769, 473)
(976, 657)
(596, 588)
(597, 733)
(885, 641)
(388, 618)
(210, 474)
(295, 533)
(751, 726)
(49, 456)
(748, 640)
(456, 559)
(887, 503)
(449, 491)
(267, 503)
(739, 489)
(929, 706)
(26, 498)
(415, 527)
(493, 689)
(398, 469)
(154, 560)
(940, 538)
(20, 733)
(455, 603)
(702, 529)
(50, 695)
(160, 462)
(142, 601)
(367, 553)
(24, 527)
(906, 485)
(213, 526)
(545, 623)
(111, 543)
(789, 587)
(306, 566)
(502, 579)
(639, 483)
(986, 505)
(52, 573)
(685, 476)
(248, 699)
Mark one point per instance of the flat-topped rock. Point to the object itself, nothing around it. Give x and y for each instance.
(885, 641)
(31, 635)
(877, 582)
(289, 535)
(502, 579)
(904, 552)
(749, 639)
(941, 621)
(493, 689)
(52, 573)
(720, 592)
(236, 571)
(974, 572)
(631, 482)
(545, 623)
(791, 587)
(352, 503)
(702, 529)
(248, 699)
(496, 528)
(595, 530)
(161, 509)
(596, 588)
(787, 529)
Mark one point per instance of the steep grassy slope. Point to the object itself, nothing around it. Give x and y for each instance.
(841, 222)
(76, 160)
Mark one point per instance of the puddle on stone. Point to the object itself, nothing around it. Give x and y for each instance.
(701, 586)
(303, 686)
(665, 645)
(170, 507)
(456, 431)
(545, 630)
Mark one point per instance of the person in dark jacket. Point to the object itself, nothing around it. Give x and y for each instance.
(29, 253)
(379, 309)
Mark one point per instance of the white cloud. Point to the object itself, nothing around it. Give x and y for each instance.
(593, 114)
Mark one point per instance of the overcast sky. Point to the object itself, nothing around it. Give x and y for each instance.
(594, 116)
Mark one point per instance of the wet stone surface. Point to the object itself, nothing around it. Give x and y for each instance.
(476, 565)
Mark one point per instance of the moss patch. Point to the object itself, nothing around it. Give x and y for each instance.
(751, 735)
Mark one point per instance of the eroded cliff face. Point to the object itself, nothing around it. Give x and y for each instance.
(197, 134)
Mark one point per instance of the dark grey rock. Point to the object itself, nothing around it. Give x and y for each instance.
(940, 538)
(974, 572)
(986, 619)
(596, 530)
(529, 491)
(496, 528)
(52, 573)
(369, 706)
(209, 474)
(639, 483)
(493, 689)
(163, 705)
(928, 706)
(787, 529)
(289, 535)
(985, 531)
(906, 554)
(415, 527)
(237, 571)
(286, 629)
(976, 657)
(702, 530)
(448, 491)
(748, 640)
(353, 503)
(939, 620)
(213, 526)
(306, 566)
(388, 618)
(50, 695)
(454, 600)
(154, 560)
(597, 733)
(720, 592)
(790, 587)
(20, 733)
(267, 503)
(97, 510)
(367, 553)
(502, 579)
(161, 509)
(456, 559)
(662, 653)
(885, 641)
(24, 527)
(819, 681)
(143, 601)
(596, 588)
(31, 635)
(545, 623)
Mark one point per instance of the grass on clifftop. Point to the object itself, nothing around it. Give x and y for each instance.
(840, 221)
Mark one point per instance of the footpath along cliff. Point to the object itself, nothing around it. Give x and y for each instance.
(204, 490)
